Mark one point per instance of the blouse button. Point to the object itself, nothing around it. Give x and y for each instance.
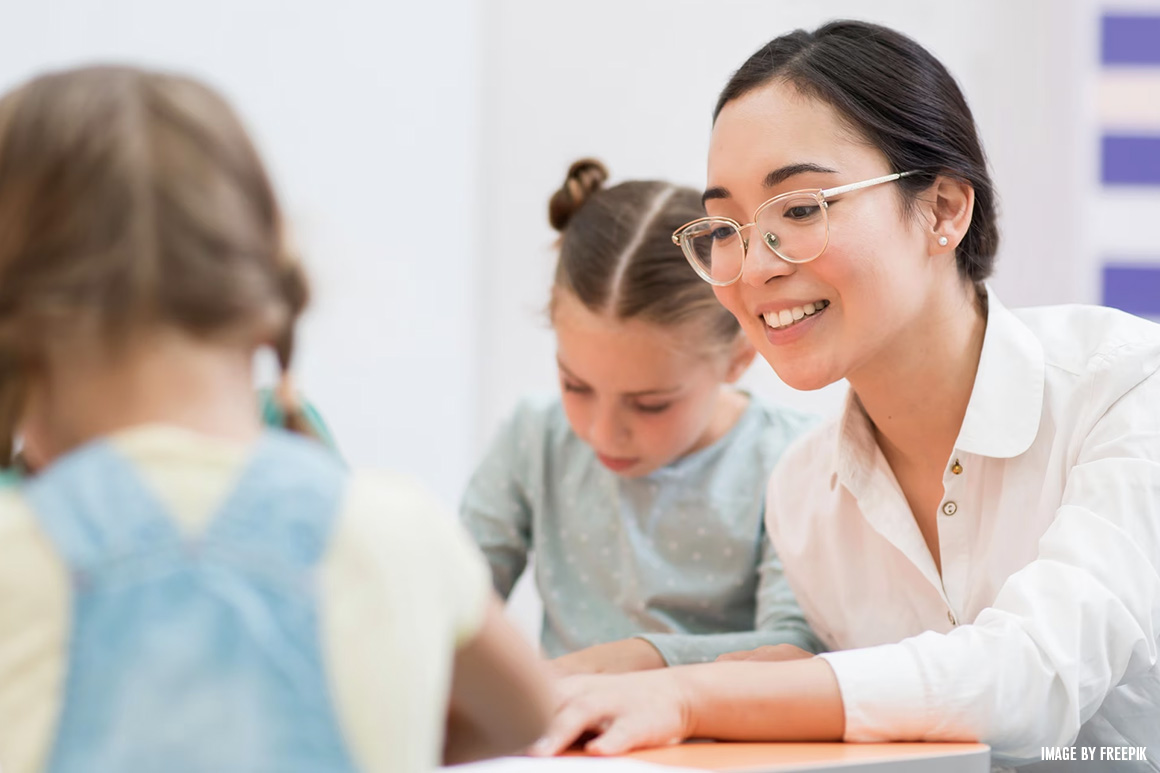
(957, 468)
(951, 617)
(949, 508)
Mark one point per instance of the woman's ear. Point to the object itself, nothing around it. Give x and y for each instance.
(949, 204)
(740, 358)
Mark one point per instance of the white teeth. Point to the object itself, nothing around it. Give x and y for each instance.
(786, 317)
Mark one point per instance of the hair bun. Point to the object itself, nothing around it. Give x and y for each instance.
(585, 177)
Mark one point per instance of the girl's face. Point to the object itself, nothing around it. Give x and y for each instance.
(875, 277)
(639, 394)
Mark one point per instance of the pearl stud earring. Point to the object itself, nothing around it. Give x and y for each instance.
(942, 240)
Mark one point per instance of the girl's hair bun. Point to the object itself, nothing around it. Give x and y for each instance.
(585, 177)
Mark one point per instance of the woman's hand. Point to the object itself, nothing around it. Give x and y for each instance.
(770, 652)
(793, 700)
(616, 657)
(624, 712)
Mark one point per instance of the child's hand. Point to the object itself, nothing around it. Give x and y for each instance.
(616, 657)
(623, 712)
(769, 652)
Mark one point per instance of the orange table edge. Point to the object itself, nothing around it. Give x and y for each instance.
(740, 757)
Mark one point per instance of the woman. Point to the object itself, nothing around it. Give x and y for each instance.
(980, 528)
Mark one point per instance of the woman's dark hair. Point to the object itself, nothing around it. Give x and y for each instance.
(617, 254)
(901, 99)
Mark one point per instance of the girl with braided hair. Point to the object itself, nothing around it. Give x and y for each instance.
(180, 589)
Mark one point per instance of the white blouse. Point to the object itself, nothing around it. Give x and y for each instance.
(1043, 627)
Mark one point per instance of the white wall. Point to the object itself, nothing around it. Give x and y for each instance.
(416, 144)
(634, 84)
(366, 115)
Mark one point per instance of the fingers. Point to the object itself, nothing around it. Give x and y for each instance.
(755, 654)
(622, 736)
(573, 718)
(565, 729)
(730, 656)
(622, 712)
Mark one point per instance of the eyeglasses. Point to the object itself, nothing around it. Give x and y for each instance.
(795, 226)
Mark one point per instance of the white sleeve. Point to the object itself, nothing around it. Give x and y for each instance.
(1063, 632)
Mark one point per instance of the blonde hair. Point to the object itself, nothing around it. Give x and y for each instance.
(617, 255)
(131, 199)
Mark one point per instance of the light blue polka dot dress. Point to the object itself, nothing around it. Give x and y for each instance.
(679, 557)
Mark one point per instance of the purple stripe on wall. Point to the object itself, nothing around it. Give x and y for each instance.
(1135, 288)
(1130, 39)
(1130, 160)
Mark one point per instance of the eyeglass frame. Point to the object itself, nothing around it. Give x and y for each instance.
(821, 194)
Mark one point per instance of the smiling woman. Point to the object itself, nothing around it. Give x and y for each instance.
(977, 530)
(640, 490)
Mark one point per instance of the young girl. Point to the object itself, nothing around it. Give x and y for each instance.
(182, 591)
(640, 491)
(980, 528)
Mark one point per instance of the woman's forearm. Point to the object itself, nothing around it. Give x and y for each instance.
(788, 701)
